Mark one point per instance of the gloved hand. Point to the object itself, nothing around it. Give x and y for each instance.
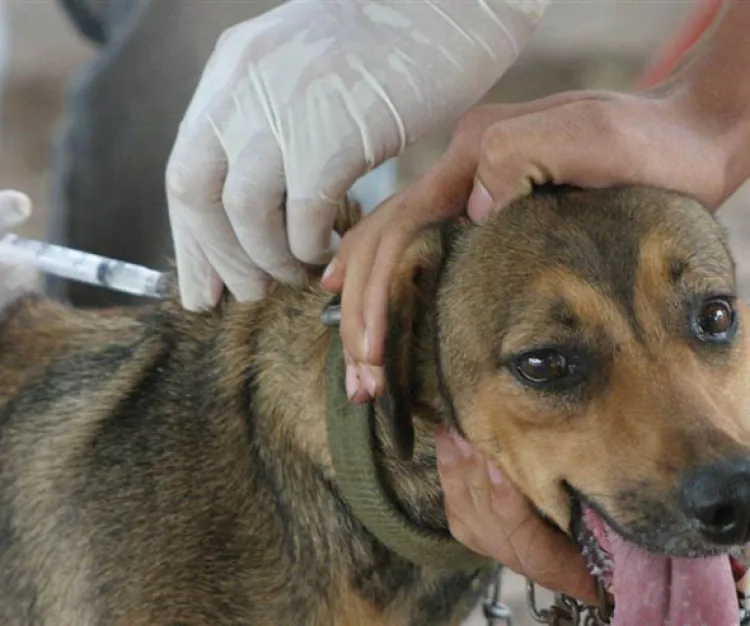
(294, 106)
(15, 278)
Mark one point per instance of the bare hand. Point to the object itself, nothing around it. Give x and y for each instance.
(487, 514)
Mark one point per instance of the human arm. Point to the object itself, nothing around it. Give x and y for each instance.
(691, 134)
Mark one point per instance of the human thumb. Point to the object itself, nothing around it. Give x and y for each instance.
(314, 199)
(509, 166)
(15, 208)
(16, 275)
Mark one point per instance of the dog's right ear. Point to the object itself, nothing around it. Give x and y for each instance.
(411, 313)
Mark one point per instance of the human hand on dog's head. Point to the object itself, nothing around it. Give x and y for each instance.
(590, 139)
(15, 278)
(489, 515)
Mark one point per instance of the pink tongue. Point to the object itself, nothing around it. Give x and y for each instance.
(655, 590)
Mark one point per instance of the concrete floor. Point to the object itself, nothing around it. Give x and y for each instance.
(46, 52)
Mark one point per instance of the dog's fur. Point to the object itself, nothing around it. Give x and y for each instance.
(164, 467)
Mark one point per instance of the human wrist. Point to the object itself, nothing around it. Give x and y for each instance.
(721, 121)
(711, 95)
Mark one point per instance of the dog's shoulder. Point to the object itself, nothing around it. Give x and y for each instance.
(42, 338)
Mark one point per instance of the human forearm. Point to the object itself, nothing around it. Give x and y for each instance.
(714, 90)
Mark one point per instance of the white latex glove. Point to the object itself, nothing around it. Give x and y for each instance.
(15, 277)
(295, 105)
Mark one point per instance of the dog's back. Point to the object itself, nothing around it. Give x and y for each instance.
(161, 467)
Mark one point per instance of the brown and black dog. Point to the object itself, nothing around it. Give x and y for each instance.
(164, 467)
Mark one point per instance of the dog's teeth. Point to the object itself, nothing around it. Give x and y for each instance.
(598, 562)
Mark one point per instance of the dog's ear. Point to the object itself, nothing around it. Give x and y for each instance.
(411, 320)
(348, 216)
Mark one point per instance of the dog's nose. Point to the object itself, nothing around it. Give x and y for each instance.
(717, 497)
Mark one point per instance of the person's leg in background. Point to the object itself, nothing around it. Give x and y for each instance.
(4, 53)
(124, 111)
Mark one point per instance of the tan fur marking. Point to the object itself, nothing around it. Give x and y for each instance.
(593, 308)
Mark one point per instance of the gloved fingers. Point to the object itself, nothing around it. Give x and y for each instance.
(312, 204)
(208, 226)
(253, 197)
(16, 276)
(199, 285)
(196, 173)
(15, 209)
(310, 228)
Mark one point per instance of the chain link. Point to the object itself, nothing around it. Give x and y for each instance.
(496, 612)
(566, 611)
(744, 611)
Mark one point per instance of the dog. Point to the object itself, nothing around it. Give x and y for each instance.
(159, 466)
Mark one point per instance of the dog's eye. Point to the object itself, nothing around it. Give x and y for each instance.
(543, 366)
(714, 320)
(547, 368)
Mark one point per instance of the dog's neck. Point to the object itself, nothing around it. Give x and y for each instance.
(414, 483)
(289, 400)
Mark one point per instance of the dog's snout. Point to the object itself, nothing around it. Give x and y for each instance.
(717, 497)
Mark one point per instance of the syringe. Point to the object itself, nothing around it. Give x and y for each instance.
(83, 266)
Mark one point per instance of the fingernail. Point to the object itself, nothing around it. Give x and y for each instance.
(369, 381)
(352, 381)
(330, 269)
(480, 202)
(293, 275)
(464, 447)
(446, 450)
(497, 478)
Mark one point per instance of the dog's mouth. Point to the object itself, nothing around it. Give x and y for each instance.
(655, 589)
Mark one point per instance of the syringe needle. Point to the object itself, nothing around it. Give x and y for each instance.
(83, 266)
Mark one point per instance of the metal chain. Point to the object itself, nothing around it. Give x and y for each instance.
(566, 611)
(497, 613)
(744, 611)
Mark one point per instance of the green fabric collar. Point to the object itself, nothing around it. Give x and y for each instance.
(351, 444)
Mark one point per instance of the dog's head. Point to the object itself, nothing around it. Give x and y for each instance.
(591, 343)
